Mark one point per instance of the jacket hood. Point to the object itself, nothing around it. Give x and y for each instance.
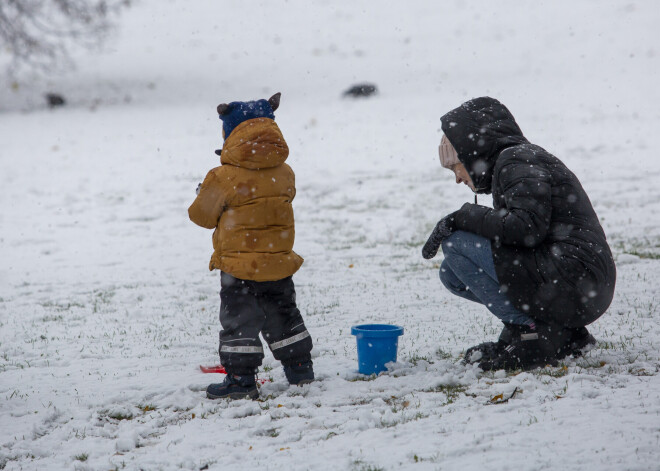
(479, 130)
(255, 144)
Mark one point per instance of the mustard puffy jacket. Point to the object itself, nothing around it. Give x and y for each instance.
(247, 200)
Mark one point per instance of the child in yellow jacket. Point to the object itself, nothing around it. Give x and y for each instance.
(247, 201)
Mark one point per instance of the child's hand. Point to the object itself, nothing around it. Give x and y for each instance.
(199, 186)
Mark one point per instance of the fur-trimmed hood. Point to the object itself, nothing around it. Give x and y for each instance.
(479, 130)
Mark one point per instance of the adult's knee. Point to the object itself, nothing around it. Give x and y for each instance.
(448, 278)
(452, 244)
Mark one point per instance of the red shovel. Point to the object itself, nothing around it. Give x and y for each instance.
(213, 369)
(221, 369)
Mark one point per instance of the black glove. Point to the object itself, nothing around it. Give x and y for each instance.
(443, 229)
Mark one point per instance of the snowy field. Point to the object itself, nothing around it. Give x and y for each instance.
(107, 307)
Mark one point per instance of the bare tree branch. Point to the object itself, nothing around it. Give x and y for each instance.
(39, 35)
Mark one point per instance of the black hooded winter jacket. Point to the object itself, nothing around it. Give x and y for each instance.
(550, 252)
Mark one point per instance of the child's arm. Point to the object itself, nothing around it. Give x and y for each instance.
(209, 204)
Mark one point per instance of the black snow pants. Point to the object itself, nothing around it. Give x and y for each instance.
(248, 308)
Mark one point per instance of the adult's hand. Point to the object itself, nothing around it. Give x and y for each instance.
(442, 230)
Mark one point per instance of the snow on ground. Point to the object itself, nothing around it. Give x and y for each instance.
(107, 307)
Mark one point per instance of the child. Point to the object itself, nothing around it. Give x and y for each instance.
(247, 200)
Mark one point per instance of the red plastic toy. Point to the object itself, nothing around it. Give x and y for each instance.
(221, 369)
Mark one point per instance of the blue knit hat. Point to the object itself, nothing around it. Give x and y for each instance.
(236, 112)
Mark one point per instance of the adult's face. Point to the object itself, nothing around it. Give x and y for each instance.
(462, 175)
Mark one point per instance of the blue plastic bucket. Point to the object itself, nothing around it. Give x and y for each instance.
(376, 345)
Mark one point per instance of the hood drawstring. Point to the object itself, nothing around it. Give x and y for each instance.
(475, 199)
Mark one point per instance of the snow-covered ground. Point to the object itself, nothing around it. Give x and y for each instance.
(107, 307)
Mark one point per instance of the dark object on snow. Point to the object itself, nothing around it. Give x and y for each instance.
(442, 230)
(361, 90)
(54, 100)
(550, 252)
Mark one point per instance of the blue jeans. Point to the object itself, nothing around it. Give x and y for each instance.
(468, 271)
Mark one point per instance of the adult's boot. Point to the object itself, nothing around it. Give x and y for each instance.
(488, 350)
(531, 347)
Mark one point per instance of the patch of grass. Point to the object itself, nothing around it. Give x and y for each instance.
(553, 372)
(364, 378)
(410, 244)
(102, 298)
(269, 432)
(415, 359)
(121, 416)
(59, 307)
(646, 248)
(452, 391)
(591, 364)
(644, 254)
(414, 267)
(399, 404)
(440, 353)
(639, 371)
(81, 457)
(18, 394)
(359, 465)
(420, 459)
(361, 401)
(115, 415)
(607, 345)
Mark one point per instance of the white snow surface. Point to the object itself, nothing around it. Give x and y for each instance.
(107, 307)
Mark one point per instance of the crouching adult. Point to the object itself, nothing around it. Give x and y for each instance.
(538, 259)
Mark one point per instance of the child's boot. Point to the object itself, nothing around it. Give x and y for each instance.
(299, 373)
(234, 387)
